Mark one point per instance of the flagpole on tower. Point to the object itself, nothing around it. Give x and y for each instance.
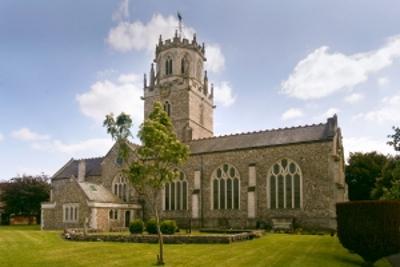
(180, 24)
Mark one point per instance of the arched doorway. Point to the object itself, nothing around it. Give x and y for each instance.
(127, 218)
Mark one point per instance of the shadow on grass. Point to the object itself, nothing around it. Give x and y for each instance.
(32, 227)
(348, 260)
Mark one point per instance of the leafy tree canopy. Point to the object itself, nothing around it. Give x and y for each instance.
(362, 172)
(120, 130)
(387, 185)
(155, 161)
(395, 139)
(24, 195)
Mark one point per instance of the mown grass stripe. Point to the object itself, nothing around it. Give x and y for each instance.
(29, 246)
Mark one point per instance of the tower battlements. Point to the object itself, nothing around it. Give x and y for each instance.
(178, 42)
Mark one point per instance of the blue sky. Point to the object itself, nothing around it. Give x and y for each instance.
(65, 64)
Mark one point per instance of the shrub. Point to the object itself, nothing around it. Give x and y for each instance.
(151, 226)
(369, 228)
(136, 227)
(168, 227)
(264, 225)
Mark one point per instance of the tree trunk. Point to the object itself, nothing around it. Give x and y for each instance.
(160, 257)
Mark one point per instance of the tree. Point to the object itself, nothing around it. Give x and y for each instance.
(362, 172)
(155, 160)
(387, 185)
(395, 138)
(369, 228)
(24, 195)
(119, 129)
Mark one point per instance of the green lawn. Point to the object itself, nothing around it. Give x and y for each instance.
(28, 246)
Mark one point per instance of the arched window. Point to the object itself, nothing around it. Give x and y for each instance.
(225, 187)
(168, 65)
(284, 185)
(167, 108)
(176, 193)
(120, 187)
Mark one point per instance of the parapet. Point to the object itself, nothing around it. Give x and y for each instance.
(178, 42)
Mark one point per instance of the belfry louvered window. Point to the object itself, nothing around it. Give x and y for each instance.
(167, 107)
(168, 66)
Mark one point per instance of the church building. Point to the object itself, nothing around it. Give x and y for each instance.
(231, 181)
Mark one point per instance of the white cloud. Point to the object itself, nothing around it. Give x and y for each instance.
(1, 137)
(26, 134)
(330, 112)
(292, 113)
(105, 74)
(137, 35)
(389, 111)
(215, 59)
(129, 78)
(223, 94)
(365, 144)
(383, 81)
(354, 98)
(106, 97)
(88, 148)
(322, 72)
(129, 36)
(122, 12)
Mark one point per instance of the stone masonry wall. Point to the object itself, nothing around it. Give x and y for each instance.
(319, 187)
(65, 191)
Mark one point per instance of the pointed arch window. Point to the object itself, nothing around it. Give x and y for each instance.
(284, 185)
(120, 187)
(176, 193)
(168, 65)
(167, 108)
(225, 188)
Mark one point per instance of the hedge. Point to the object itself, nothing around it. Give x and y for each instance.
(369, 228)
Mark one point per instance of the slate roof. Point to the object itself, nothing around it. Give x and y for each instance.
(302, 134)
(93, 168)
(98, 193)
(274, 137)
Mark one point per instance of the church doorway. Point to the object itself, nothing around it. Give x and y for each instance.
(127, 218)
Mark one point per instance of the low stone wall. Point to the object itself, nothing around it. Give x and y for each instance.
(168, 239)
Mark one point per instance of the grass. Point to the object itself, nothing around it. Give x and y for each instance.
(28, 246)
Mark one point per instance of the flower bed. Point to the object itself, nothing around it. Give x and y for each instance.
(168, 239)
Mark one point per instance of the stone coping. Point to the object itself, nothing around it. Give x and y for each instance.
(168, 239)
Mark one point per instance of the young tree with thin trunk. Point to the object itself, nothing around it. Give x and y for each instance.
(155, 160)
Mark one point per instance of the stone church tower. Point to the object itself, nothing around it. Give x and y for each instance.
(179, 82)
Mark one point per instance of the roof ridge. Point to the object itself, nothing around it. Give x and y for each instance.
(132, 143)
(91, 158)
(261, 131)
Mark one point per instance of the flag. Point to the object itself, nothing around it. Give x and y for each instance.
(179, 16)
